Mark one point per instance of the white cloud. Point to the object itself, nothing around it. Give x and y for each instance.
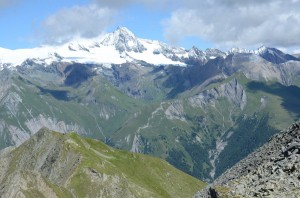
(87, 21)
(229, 23)
(80, 21)
(225, 23)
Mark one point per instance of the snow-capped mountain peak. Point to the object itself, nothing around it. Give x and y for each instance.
(124, 31)
(118, 47)
(123, 40)
(259, 51)
(262, 49)
(195, 52)
(122, 46)
(274, 55)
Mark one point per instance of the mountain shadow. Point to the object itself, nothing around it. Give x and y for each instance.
(57, 94)
(77, 74)
(183, 79)
(290, 94)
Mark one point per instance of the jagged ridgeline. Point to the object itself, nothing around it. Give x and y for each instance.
(273, 170)
(202, 111)
(52, 164)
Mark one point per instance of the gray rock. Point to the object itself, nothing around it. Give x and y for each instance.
(272, 170)
(232, 90)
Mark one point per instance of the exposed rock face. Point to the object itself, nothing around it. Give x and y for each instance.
(232, 90)
(275, 56)
(196, 55)
(253, 66)
(123, 40)
(214, 53)
(35, 124)
(273, 170)
(175, 111)
(5, 84)
(290, 72)
(11, 103)
(17, 134)
(136, 144)
(42, 158)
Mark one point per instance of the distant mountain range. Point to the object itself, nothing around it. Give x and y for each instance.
(202, 111)
(122, 46)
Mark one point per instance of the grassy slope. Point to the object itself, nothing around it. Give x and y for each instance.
(142, 175)
(175, 140)
(55, 104)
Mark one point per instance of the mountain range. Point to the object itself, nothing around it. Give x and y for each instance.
(202, 111)
(122, 46)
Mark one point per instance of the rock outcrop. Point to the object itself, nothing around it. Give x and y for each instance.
(51, 164)
(123, 40)
(273, 170)
(232, 90)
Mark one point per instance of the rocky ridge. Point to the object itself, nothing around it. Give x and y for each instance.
(273, 170)
(231, 90)
(123, 40)
(52, 164)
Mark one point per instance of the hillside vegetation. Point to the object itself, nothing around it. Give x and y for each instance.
(52, 164)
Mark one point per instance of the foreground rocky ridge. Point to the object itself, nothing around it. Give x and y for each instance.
(52, 164)
(273, 170)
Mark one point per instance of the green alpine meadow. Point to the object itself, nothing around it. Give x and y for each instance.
(51, 164)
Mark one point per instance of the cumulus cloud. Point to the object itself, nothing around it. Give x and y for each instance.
(229, 23)
(87, 21)
(81, 21)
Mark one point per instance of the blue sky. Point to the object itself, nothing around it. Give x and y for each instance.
(21, 22)
(208, 23)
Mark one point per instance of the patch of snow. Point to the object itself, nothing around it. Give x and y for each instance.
(153, 58)
(260, 50)
(107, 65)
